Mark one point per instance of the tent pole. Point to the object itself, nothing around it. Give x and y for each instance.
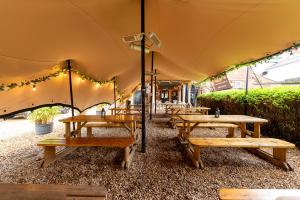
(115, 100)
(256, 78)
(143, 88)
(151, 100)
(246, 92)
(155, 83)
(71, 90)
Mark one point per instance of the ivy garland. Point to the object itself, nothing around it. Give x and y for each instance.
(265, 59)
(34, 82)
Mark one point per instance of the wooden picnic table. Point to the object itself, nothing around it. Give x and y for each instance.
(128, 121)
(128, 143)
(191, 121)
(240, 120)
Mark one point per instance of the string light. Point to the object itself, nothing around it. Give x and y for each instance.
(60, 72)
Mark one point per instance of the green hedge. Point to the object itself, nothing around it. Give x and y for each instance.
(280, 105)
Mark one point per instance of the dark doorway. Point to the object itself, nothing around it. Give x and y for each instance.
(164, 96)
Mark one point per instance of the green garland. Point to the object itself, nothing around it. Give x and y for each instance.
(34, 82)
(265, 59)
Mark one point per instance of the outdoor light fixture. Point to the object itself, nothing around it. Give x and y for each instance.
(264, 73)
(138, 48)
(134, 41)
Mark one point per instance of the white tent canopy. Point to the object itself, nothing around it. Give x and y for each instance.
(199, 39)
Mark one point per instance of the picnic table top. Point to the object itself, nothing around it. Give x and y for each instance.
(222, 118)
(99, 118)
(121, 108)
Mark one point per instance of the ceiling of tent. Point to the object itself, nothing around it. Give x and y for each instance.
(200, 38)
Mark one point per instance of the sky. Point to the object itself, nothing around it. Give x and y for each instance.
(285, 66)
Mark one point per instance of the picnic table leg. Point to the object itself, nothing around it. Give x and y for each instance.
(256, 132)
(89, 131)
(230, 132)
(67, 129)
(194, 154)
(49, 156)
(243, 127)
(79, 129)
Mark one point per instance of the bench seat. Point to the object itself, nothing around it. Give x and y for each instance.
(253, 144)
(261, 194)
(11, 191)
(50, 154)
(88, 142)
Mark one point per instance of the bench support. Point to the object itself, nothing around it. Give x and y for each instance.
(50, 154)
(230, 132)
(128, 156)
(278, 158)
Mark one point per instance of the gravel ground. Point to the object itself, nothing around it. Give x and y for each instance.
(164, 172)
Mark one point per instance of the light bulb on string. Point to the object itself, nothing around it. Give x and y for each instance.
(34, 88)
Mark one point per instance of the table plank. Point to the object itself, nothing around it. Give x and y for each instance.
(222, 118)
(98, 118)
(241, 142)
(50, 191)
(259, 194)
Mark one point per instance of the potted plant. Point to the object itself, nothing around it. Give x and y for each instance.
(43, 118)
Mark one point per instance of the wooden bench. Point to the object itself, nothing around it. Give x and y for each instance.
(260, 194)
(90, 126)
(11, 191)
(231, 127)
(253, 144)
(50, 154)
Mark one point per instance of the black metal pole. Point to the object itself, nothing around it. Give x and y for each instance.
(115, 97)
(246, 92)
(71, 90)
(151, 100)
(155, 83)
(143, 87)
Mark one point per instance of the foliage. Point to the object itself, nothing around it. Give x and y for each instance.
(44, 115)
(278, 97)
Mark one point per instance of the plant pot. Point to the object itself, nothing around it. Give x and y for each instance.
(42, 129)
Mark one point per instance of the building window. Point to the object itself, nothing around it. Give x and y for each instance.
(238, 84)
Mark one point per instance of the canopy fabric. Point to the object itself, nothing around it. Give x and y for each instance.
(199, 39)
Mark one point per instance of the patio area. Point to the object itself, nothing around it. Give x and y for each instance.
(164, 172)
